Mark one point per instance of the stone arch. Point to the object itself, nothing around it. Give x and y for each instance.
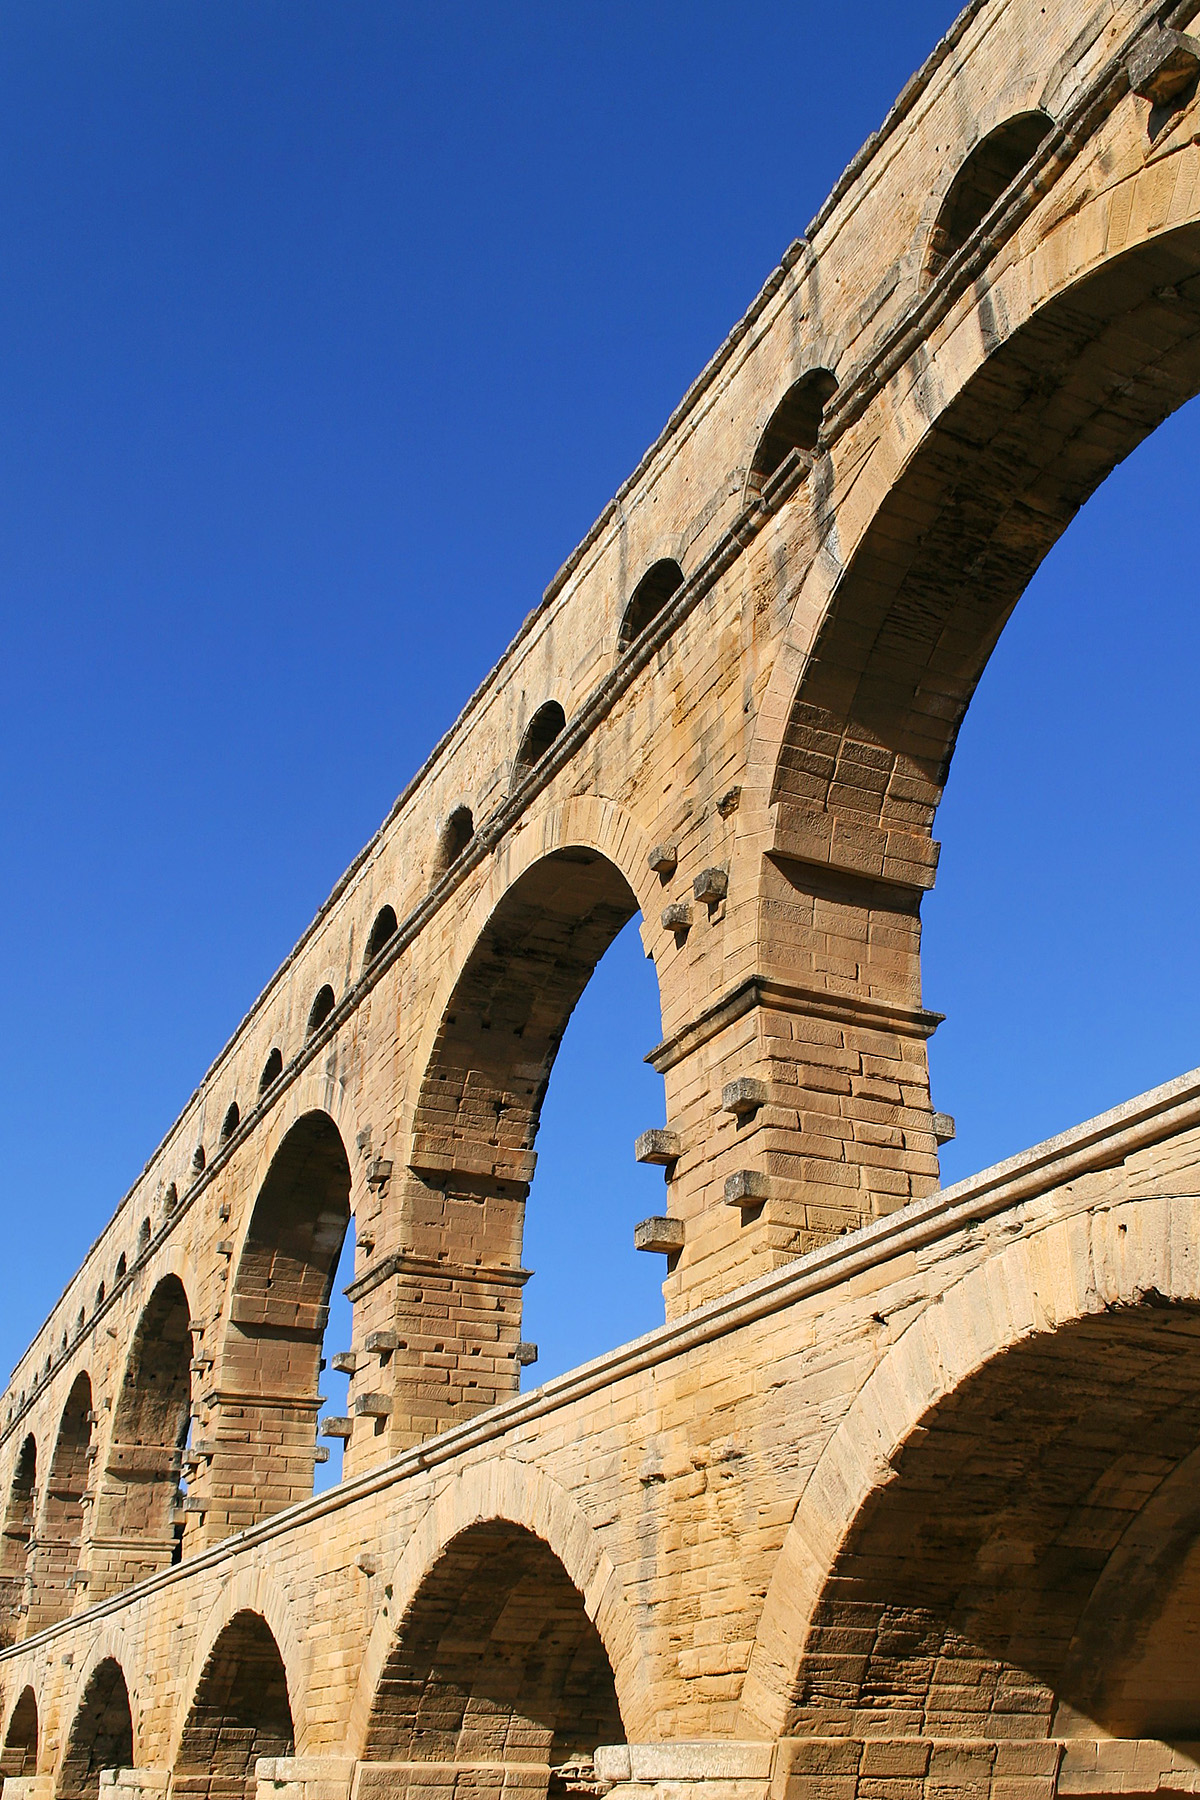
(249, 1591)
(546, 724)
(521, 1496)
(457, 831)
(989, 168)
(135, 1531)
(272, 1070)
(660, 581)
(101, 1735)
(240, 1710)
(20, 1754)
(323, 1004)
(789, 439)
(14, 1543)
(1049, 1335)
(384, 927)
(262, 1458)
(61, 1522)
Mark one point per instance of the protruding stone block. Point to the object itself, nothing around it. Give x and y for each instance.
(657, 1146)
(677, 917)
(711, 885)
(336, 1426)
(344, 1361)
(1163, 65)
(526, 1355)
(372, 1406)
(943, 1128)
(659, 1233)
(743, 1096)
(746, 1188)
(382, 1343)
(664, 859)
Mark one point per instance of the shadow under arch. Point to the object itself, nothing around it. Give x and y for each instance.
(59, 1530)
(101, 1735)
(240, 1711)
(495, 1661)
(278, 1312)
(15, 1541)
(1022, 1425)
(135, 1532)
(20, 1753)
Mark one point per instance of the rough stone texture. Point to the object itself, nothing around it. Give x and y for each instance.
(900, 1501)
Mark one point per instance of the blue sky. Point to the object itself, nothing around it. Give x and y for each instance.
(325, 332)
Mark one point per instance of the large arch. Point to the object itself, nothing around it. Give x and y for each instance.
(61, 1521)
(101, 1735)
(240, 1711)
(14, 1544)
(261, 1458)
(1024, 1425)
(135, 1533)
(495, 1662)
(475, 1120)
(20, 1754)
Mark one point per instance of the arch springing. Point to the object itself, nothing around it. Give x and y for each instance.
(540, 733)
(651, 594)
(990, 169)
(794, 428)
(320, 1010)
(384, 927)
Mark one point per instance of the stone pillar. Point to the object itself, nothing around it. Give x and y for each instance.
(134, 1784)
(304, 1777)
(690, 1770)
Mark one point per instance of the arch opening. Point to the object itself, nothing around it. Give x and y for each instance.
(272, 1070)
(456, 834)
(384, 927)
(101, 1735)
(278, 1314)
(59, 1531)
(230, 1122)
(320, 1010)
(1032, 1567)
(240, 1712)
(19, 1756)
(987, 173)
(14, 1549)
(138, 1524)
(651, 594)
(546, 724)
(472, 1158)
(790, 438)
(497, 1662)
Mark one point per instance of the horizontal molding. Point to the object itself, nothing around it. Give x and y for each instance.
(783, 996)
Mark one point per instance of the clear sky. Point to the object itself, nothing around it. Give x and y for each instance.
(325, 332)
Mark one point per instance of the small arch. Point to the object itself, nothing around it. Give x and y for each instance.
(456, 834)
(170, 1198)
(101, 1734)
(144, 1236)
(385, 927)
(61, 1527)
(988, 172)
(100, 1291)
(651, 594)
(230, 1122)
(241, 1711)
(794, 428)
(463, 1679)
(198, 1160)
(546, 724)
(80, 1321)
(14, 1545)
(19, 1756)
(320, 1010)
(272, 1070)
(122, 1268)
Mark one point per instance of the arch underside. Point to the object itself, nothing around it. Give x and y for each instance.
(997, 478)
(496, 1663)
(101, 1734)
(1032, 1566)
(241, 1711)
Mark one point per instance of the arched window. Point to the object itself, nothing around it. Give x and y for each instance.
(794, 427)
(989, 170)
(198, 1160)
(170, 1198)
(320, 1010)
(143, 1237)
(457, 833)
(19, 1756)
(230, 1122)
(540, 733)
(383, 929)
(80, 1321)
(100, 1295)
(272, 1070)
(122, 1268)
(649, 597)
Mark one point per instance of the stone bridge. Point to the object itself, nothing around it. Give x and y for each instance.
(902, 1499)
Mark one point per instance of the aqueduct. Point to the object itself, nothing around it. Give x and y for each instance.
(902, 1496)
